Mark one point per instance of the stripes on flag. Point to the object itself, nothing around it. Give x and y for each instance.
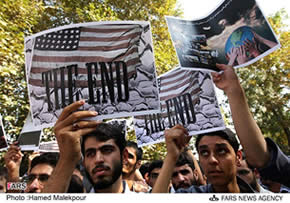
(176, 83)
(81, 45)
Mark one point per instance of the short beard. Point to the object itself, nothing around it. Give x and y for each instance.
(105, 183)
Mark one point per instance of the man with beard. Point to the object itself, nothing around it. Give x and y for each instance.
(250, 175)
(102, 147)
(184, 173)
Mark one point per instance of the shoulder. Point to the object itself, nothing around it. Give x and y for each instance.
(196, 189)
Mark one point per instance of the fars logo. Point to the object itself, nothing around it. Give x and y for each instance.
(16, 185)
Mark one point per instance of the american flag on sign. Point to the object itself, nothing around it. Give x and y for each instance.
(177, 83)
(108, 64)
(81, 45)
(174, 84)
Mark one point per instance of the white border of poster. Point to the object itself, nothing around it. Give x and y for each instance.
(108, 64)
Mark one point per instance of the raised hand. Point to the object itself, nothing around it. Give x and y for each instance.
(13, 158)
(241, 55)
(69, 129)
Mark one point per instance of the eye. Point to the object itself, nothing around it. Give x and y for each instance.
(107, 149)
(90, 153)
(204, 153)
(222, 151)
(184, 172)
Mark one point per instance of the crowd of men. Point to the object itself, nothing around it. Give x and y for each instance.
(94, 157)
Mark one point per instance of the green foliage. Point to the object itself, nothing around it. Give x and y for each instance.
(266, 84)
(22, 18)
(16, 20)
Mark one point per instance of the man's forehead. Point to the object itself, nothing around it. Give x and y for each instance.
(213, 141)
(156, 170)
(92, 142)
(179, 168)
(41, 168)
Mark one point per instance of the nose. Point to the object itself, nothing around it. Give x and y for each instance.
(35, 186)
(180, 177)
(99, 157)
(213, 159)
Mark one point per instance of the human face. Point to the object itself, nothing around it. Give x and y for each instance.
(246, 173)
(38, 175)
(153, 176)
(102, 161)
(182, 177)
(218, 160)
(130, 165)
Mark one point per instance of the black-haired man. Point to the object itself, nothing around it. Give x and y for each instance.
(130, 171)
(184, 173)
(134, 161)
(102, 146)
(218, 155)
(40, 170)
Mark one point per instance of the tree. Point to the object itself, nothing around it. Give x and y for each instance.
(266, 85)
(17, 19)
(21, 18)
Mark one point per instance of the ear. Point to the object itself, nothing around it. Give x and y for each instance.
(125, 156)
(239, 157)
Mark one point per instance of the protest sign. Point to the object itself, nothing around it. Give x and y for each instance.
(30, 135)
(108, 64)
(49, 146)
(187, 98)
(3, 140)
(235, 33)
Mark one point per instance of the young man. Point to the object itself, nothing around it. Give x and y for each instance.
(134, 161)
(131, 167)
(102, 146)
(40, 169)
(261, 153)
(250, 175)
(218, 155)
(184, 173)
(154, 171)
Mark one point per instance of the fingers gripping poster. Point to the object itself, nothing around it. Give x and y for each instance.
(108, 64)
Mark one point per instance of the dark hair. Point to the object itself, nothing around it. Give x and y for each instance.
(49, 158)
(154, 164)
(144, 168)
(226, 134)
(104, 132)
(75, 185)
(139, 151)
(183, 159)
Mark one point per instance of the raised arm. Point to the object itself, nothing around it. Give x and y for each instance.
(246, 127)
(176, 139)
(68, 130)
(13, 158)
